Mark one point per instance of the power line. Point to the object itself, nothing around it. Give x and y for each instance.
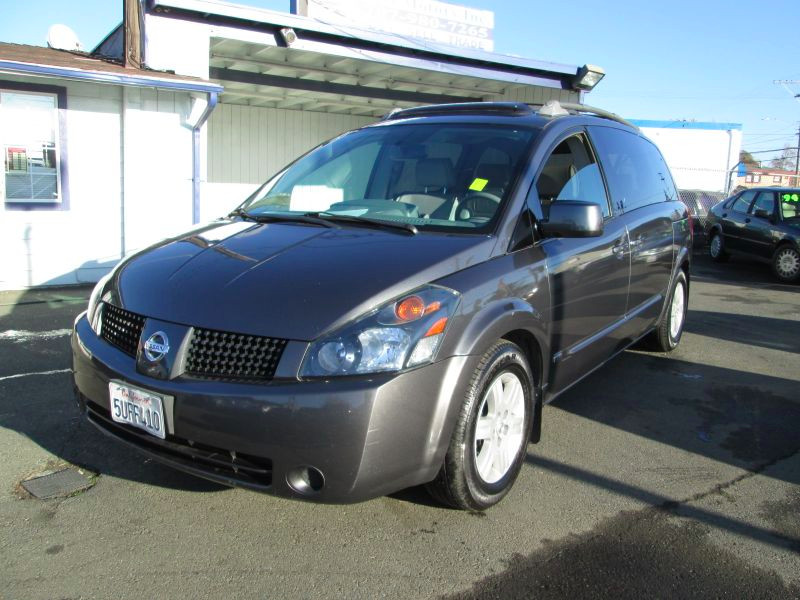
(765, 151)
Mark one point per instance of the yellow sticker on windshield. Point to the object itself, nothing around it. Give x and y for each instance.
(478, 184)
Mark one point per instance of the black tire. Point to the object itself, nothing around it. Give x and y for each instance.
(459, 483)
(662, 338)
(786, 264)
(716, 247)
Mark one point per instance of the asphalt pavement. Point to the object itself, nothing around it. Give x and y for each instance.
(658, 476)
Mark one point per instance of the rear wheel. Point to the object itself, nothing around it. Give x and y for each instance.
(716, 248)
(667, 336)
(786, 264)
(488, 446)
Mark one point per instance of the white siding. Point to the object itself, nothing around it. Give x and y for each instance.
(537, 95)
(248, 144)
(76, 245)
(158, 166)
(82, 242)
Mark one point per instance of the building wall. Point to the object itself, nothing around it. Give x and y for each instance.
(699, 158)
(82, 242)
(537, 95)
(768, 177)
(158, 166)
(71, 246)
(248, 144)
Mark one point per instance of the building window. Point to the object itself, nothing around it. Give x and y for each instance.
(31, 143)
(776, 178)
(756, 178)
(748, 178)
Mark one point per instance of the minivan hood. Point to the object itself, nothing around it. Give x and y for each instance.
(284, 280)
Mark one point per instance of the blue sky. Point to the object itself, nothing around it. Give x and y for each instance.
(697, 60)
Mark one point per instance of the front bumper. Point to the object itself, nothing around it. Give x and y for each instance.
(367, 436)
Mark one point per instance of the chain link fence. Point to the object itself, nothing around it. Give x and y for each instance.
(699, 190)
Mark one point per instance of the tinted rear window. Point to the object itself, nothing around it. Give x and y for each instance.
(636, 172)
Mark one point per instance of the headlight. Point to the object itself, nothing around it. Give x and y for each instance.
(94, 301)
(400, 334)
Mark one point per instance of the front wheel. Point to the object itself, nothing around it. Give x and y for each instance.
(786, 264)
(488, 446)
(667, 336)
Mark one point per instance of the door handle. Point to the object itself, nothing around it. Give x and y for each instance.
(619, 249)
(747, 220)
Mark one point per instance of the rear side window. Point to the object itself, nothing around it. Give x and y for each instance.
(765, 201)
(636, 172)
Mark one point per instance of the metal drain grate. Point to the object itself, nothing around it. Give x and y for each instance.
(56, 485)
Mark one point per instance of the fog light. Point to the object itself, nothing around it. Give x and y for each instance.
(305, 480)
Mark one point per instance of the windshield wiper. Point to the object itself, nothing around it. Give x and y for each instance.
(308, 218)
(366, 221)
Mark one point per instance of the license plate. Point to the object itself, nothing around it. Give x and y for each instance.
(137, 407)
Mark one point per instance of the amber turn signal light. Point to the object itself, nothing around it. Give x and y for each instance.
(437, 327)
(410, 309)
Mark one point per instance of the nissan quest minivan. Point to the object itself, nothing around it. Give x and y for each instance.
(395, 307)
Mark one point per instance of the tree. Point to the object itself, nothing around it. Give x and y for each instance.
(786, 160)
(747, 158)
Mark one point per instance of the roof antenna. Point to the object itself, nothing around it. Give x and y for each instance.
(62, 37)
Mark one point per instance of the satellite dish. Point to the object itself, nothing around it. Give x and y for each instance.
(62, 37)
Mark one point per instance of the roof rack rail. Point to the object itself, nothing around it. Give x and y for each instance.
(554, 108)
(461, 108)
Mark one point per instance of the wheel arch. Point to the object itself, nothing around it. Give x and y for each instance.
(517, 321)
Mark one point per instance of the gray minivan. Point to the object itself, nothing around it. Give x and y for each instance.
(393, 308)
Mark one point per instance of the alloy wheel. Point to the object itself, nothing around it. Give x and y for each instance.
(499, 427)
(716, 246)
(787, 263)
(677, 310)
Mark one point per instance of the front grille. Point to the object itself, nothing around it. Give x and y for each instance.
(221, 464)
(222, 355)
(121, 328)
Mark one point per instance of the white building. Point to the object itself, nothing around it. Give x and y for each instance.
(701, 156)
(133, 159)
(98, 161)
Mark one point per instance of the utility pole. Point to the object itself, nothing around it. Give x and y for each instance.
(785, 83)
(797, 159)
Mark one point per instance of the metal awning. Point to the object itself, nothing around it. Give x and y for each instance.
(344, 70)
(281, 77)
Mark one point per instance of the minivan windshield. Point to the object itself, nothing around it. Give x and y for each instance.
(446, 177)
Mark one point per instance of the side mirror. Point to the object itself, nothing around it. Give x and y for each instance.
(762, 213)
(573, 218)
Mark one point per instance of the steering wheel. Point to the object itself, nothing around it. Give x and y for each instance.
(469, 205)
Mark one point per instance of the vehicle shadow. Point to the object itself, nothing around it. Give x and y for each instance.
(738, 271)
(766, 332)
(743, 419)
(37, 400)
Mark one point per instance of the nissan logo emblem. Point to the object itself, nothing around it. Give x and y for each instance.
(156, 346)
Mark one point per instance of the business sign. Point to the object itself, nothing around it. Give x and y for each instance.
(428, 20)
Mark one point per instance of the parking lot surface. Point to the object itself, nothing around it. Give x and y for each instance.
(659, 475)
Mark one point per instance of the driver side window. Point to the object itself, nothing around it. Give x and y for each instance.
(571, 173)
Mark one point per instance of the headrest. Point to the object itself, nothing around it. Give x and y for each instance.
(434, 173)
(547, 186)
(497, 175)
